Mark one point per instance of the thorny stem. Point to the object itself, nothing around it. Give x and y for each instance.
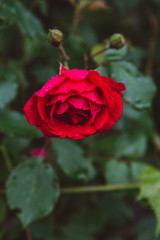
(63, 56)
(28, 234)
(101, 188)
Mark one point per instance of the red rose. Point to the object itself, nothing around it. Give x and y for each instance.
(75, 104)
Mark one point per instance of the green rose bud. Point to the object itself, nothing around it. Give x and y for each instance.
(55, 37)
(117, 40)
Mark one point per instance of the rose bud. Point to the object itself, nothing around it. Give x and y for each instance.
(75, 104)
(55, 37)
(117, 40)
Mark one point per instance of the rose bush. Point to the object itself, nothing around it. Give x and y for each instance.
(75, 104)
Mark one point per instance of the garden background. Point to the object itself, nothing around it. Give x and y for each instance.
(106, 186)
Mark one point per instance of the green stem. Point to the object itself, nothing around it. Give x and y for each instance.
(63, 56)
(101, 188)
(6, 157)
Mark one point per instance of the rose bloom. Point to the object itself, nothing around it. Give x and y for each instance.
(75, 104)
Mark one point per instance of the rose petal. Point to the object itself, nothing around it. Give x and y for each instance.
(101, 118)
(69, 85)
(75, 74)
(94, 97)
(114, 85)
(30, 110)
(95, 77)
(61, 108)
(95, 109)
(50, 85)
(42, 108)
(78, 102)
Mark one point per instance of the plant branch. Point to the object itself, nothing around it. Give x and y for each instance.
(63, 55)
(154, 23)
(6, 157)
(101, 188)
(28, 233)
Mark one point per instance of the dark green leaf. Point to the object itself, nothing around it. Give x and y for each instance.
(146, 229)
(140, 89)
(17, 144)
(102, 71)
(71, 159)
(15, 124)
(116, 172)
(115, 54)
(150, 189)
(33, 188)
(8, 87)
(7, 14)
(125, 144)
(27, 22)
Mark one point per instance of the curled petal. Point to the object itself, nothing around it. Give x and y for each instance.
(31, 112)
(51, 85)
(74, 74)
(68, 86)
(61, 108)
(78, 102)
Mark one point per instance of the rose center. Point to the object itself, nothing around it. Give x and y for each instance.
(73, 116)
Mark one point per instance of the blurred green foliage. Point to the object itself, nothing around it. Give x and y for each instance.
(129, 153)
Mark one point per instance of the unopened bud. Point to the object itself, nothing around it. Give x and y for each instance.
(55, 37)
(117, 40)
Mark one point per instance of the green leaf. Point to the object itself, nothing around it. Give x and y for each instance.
(71, 159)
(7, 14)
(33, 188)
(125, 144)
(99, 58)
(140, 89)
(150, 189)
(116, 172)
(146, 229)
(8, 87)
(27, 22)
(135, 122)
(102, 71)
(16, 144)
(136, 169)
(115, 54)
(16, 125)
(122, 172)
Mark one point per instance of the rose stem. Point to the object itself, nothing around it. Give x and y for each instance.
(63, 56)
(28, 234)
(6, 157)
(101, 188)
